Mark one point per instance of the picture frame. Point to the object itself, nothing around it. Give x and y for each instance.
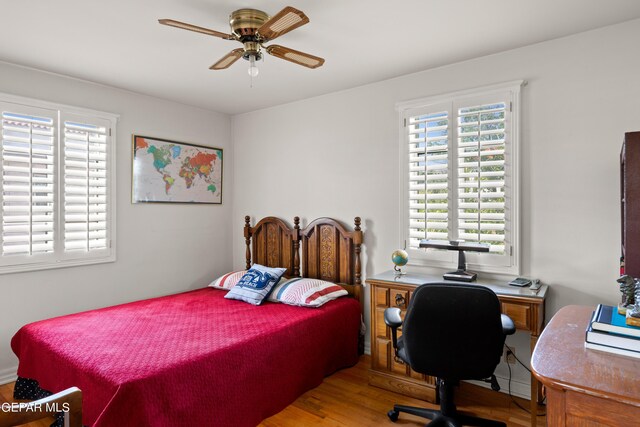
(167, 171)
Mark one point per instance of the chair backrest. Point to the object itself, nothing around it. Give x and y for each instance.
(69, 401)
(453, 331)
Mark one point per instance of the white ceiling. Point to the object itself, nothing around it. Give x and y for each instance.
(120, 43)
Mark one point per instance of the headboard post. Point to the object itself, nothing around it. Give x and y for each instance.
(247, 240)
(296, 247)
(357, 242)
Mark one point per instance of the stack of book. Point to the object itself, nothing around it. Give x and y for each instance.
(608, 331)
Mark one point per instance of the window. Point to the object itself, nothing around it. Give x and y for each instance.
(460, 176)
(56, 194)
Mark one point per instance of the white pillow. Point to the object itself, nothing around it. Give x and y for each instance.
(306, 292)
(227, 281)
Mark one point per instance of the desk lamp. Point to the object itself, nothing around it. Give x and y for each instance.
(461, 274)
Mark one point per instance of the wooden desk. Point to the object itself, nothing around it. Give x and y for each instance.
(584, 387)
(525, 307)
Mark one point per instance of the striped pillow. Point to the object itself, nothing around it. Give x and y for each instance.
(306, 292)
(227, 281)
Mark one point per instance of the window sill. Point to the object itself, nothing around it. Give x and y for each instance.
(476, 268)
(55, 264)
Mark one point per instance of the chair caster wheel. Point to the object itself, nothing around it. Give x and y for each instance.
(393, 415)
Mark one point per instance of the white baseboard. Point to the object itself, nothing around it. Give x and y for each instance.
(367, 348)
(8, 375)
(518, 388)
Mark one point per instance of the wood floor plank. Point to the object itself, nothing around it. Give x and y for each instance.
(345, 399)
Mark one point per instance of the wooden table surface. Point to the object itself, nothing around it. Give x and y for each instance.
(561, 361)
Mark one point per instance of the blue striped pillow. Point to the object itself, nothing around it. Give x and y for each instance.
(256, 284)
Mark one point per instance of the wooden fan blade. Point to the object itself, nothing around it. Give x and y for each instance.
(228, 59)
(185, 26)
(281, 23)
(295, 56)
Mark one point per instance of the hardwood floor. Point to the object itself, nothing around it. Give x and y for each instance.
(345, 399)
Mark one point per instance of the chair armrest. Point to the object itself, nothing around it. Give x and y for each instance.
(508, 327)
(392, 317)
(394, 321)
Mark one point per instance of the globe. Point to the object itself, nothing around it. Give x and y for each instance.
(400, 257)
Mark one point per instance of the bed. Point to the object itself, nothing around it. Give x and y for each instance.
(196, 358)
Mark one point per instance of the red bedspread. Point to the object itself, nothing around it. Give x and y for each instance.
(191, 359)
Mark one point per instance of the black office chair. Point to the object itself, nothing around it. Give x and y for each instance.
(452, 331)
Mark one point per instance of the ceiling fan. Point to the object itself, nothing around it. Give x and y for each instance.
(253, 28)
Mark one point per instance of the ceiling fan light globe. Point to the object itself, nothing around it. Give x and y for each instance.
(253, 70)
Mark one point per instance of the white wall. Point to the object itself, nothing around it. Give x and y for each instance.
(161, 249)
(337, 155)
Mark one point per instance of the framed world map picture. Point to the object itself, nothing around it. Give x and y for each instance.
(167, 171)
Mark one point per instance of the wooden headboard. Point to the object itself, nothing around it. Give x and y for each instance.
(275, 244)
(329, 250)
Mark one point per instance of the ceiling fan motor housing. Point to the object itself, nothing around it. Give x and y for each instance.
(244, 24)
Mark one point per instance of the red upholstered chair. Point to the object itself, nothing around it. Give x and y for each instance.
(27, 412)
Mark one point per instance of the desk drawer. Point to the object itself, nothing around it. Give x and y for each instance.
(398, 298)
(381, 296)
(520, 313)
(391, 297)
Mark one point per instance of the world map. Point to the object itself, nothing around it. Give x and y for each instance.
(166, 171)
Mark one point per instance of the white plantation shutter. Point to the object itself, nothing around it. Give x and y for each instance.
(481, 174)
(459, 175)
(428, 175)
(56, 192)
(28, 190)
(85, 186)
